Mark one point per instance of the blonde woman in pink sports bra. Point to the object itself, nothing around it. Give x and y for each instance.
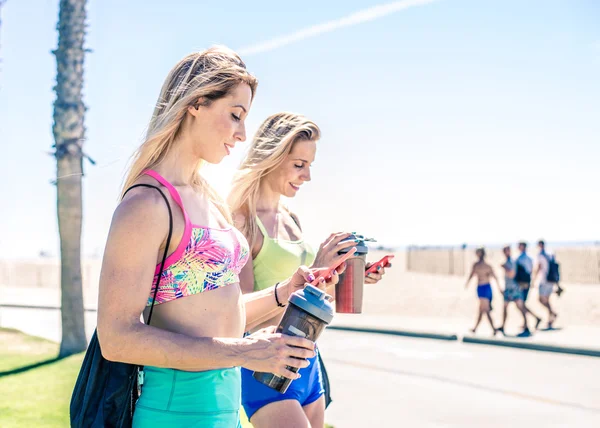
(193, 348)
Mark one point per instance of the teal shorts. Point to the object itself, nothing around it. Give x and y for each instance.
(175, 398)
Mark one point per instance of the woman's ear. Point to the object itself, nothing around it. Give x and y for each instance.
(195, 109)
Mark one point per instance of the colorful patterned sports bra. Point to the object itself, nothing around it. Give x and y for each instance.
(205, 259)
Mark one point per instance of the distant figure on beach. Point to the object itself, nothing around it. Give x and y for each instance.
(484, 272)
(546, 281)
(512, 292)
(523, 270)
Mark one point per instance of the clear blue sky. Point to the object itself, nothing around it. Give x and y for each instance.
(455, 121)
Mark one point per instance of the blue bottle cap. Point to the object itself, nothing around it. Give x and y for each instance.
(313, 301)
(361, 246)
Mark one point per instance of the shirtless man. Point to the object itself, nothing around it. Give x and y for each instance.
(484, 272)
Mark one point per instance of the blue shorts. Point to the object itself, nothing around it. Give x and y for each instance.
(484, 291)
(306, 390)
(513, 294)
(524, 290)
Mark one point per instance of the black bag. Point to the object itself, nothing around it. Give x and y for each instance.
(326, 384)
(106, 392)
(521, 275)
(553, 270)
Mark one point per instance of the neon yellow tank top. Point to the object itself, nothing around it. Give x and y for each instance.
(278, 259)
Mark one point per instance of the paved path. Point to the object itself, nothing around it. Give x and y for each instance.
(388, 381)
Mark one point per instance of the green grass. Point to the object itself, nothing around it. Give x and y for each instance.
(18, 349)
(39, 397)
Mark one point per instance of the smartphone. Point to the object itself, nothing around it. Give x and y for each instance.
(383, 263)
(326, 273)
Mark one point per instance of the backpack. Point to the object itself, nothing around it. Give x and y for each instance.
(553, 269)
(521, 274)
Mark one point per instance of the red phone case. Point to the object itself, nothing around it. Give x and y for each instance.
(326, 273)
(383, 263)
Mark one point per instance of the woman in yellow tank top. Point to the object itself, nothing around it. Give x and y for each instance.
(277, 164)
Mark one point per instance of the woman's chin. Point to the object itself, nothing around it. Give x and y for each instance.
(290, 193)
(214, 160)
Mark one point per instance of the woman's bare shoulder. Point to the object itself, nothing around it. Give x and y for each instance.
(144, 208)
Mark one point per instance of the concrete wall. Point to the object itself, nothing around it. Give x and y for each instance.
(44, 273)
(577, 265)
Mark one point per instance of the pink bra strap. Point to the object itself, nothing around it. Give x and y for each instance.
(172, 191)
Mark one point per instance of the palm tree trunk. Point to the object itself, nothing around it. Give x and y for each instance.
(69, 132)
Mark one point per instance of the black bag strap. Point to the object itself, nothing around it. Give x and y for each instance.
(168, 244)
(326, 383)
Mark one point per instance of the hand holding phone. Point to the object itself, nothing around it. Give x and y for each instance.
(326, 273)
(381, 263)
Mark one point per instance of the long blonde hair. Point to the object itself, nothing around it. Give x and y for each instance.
(210, 74)
(272, 143)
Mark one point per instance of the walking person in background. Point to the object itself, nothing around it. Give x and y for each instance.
(512, 292)
(484, 272)
(524, 268)
(546, 284)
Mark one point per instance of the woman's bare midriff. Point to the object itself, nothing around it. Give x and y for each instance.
(214, 313)
(273, 321)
